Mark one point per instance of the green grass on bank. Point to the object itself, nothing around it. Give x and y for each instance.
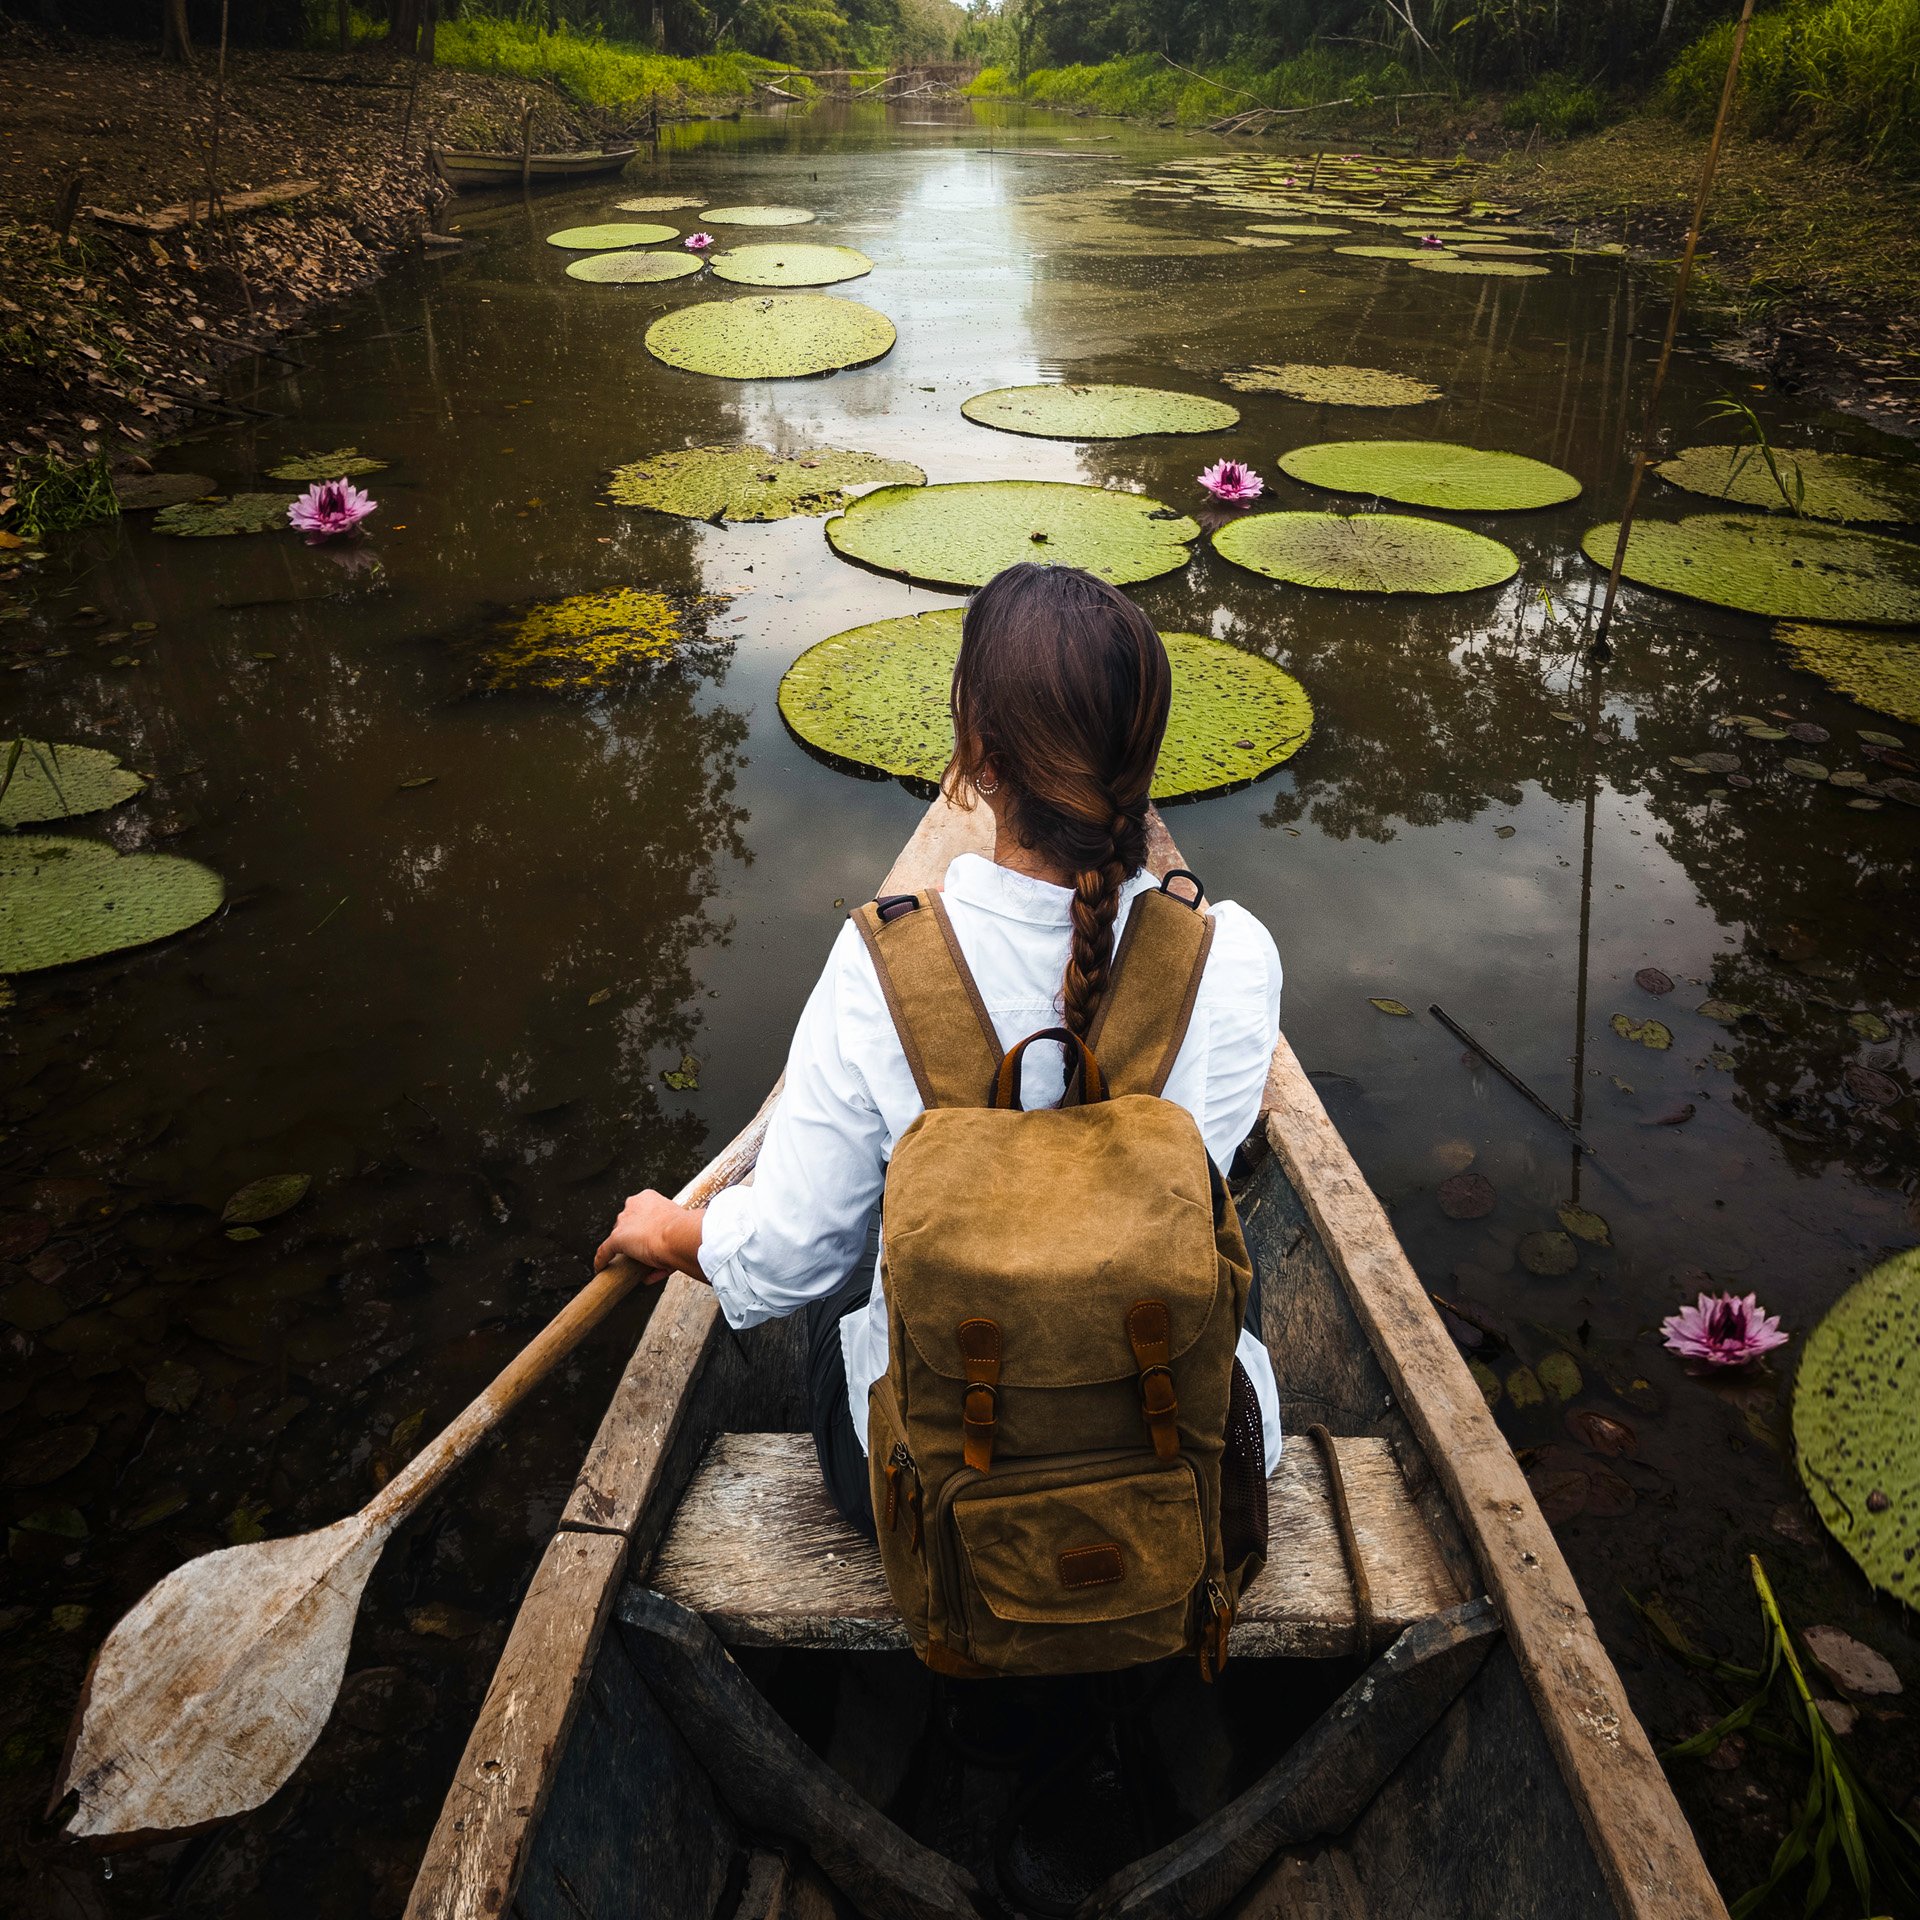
(1845, 72)
(601, 73)
(1147, 87)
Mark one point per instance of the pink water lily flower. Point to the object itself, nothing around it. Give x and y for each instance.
(1233, 482)
(1724, 1330)
(330, 507)
(1431, 240)
(698, 242)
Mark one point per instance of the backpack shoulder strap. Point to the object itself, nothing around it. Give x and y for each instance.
(937, 1011)
(1154, 982)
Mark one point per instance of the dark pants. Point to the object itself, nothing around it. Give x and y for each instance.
(843, 1461)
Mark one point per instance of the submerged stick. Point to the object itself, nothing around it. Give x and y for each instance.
(1680, 285)
(1512, 1079)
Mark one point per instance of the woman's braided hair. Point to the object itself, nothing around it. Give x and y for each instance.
(1062, 688)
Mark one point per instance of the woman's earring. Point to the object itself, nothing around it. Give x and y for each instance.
(986, 788)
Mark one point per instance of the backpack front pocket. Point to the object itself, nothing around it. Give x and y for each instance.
(1041, 1553)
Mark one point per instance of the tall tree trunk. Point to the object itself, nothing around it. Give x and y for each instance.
(403, 25)
(344, 15)
(176, 41)
(658, 31)
(431, 19)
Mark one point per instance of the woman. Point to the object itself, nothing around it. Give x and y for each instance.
(1059, 703)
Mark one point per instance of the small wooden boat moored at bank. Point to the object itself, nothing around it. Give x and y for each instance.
(706, 1709)
(467, 171)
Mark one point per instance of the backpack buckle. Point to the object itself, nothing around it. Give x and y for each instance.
(890, 906)
(1150, 1335)
(980, 1351)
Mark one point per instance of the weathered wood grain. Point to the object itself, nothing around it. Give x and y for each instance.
(774, 1782)
(474, 1859)
(1321, 1785)
(660, 1848)
(1307, 1886)
(756, 1548)
(1635, 1825)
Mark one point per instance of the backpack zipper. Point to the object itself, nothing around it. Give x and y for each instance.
(900, 1466)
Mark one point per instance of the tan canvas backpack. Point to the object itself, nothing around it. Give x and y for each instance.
(1065, 1288)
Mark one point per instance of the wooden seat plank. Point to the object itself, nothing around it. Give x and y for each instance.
(758, 1550)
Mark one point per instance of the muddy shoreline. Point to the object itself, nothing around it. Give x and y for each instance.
(116, 334)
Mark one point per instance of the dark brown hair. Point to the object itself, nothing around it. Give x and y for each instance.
(1062, 688)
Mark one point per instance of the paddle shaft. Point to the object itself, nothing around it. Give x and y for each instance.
(558, 1338)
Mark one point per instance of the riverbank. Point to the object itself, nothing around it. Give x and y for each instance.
(114, 332)
(1809, 271)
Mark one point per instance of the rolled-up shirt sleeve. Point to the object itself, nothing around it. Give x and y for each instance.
(796, 1232)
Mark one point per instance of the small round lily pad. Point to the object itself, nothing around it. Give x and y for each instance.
(1789, 569)
(68, 900)
(609, 234)
(238, 513)
(1432, 473)
(752, 483)
(779, 336)
(55, 782)
(756, 216)
(1334, 386)
(143, 492)
(877, 696)
(962, 535)
(773, 265)
(1062, 412)
(632, 269)
(344, 463)
(1824, 486)
(1880, 671)
(1856, 1442)
(1366, 552)
(1548, 1255)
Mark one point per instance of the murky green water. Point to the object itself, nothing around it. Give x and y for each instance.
(452, 1003)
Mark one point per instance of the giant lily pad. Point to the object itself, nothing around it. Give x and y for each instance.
(68, 900)
(1432, 473)
(1383, 252)
(1824, 486)
(756, 216)
(1334, 386)
(773, 265)
(632, 269)
(1856, 1441)
(54, 782)
(1366, 552)
(962, 535)
(877, 695)
(658, 202)
(751, 483)
(1497, 269)
(239, 513)
(780, 336)
(592, 640)
(1790, 569)
(1878, 670)
(1296, 229)
(609, 234)
(1058, 412)
(344, 463)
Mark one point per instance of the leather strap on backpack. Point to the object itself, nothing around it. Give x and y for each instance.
(943, 1024)
(980, 1398)
(1150, 1334)
(1155, 980)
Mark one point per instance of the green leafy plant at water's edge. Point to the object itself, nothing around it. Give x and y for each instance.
(1840, 1813)
(1753, 439)
(58, 496)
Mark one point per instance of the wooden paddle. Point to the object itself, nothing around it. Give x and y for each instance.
(215, 1686)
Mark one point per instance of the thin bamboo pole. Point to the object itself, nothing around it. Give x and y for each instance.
(1647, 449)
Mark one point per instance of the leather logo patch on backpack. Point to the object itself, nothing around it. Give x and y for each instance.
(1092, 1566)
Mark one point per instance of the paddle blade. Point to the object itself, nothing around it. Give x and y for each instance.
(215, 1686)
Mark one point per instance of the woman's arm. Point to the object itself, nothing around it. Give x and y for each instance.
(656, 1232)
(793, 1234)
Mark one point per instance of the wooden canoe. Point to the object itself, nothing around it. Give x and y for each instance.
(465, 172)
(704, 1712)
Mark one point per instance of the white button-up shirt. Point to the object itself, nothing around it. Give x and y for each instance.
(796, 1232)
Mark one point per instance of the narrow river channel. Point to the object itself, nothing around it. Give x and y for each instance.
(471, 926)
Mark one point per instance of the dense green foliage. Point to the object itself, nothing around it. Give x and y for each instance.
(1844, 70)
